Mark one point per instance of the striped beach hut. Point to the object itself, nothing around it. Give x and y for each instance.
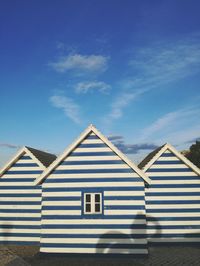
(20, 199)
(172, 197)
(93, 200)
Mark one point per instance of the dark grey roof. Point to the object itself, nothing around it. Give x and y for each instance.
(44, 157)
(148, 158)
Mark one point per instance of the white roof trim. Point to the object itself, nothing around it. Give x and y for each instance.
(69, 149)
(168, 146)
(22, 151)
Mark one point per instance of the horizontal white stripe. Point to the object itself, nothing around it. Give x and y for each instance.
(19, 214)
(124, 202)
(124, 212)
(21, 199)
(61, 212)
(173, 214)
(16, 184)
(172, 206)
(93, 241)
(17, 230)
(158, 198)
(173, 223)
(92, 158)
(92, 141)
(19, 191)
(93, 166)
(170, 158)
(25, 161)
(93, 175)
(60, 194)
(61, 203)
(175, 239)
(95, 221)
(20, 207)
(193, 189)
(168, 166)
(123, 193)
(173, 182)
(100, 149)
(167, 151)
(171, 231)
(19, 223)
(92, 231)
(171, 174)
(19, 238)
(20, 176)
(93, 250)
(28, 168)
(94, 184)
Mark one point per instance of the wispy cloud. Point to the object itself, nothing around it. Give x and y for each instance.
(155, 67)
(9, 145)
(69, 107)
(90, 86)
(80, 64)
(130, 148)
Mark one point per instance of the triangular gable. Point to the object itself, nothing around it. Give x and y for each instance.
(23, 151)
(163, 149)
(69, 150)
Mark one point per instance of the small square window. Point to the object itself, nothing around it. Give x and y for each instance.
(92, 203)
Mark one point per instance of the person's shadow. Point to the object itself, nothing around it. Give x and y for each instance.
(115, 239)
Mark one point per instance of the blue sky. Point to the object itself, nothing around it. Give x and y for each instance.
(131, 68)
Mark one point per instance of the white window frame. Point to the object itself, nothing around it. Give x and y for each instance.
(92, 203)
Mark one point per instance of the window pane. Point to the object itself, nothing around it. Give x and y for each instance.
(97, 207)
(97, 197)
(88, 208)
(88, 198)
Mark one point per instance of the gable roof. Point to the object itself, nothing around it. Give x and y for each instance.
(43, 159)
(89, 130)
(153, 156)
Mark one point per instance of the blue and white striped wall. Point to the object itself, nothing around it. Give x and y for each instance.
(172, 201)
(93, 166)
(20, 203)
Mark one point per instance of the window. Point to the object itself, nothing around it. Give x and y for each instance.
(92, 203)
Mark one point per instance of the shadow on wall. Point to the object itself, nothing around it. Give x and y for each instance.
(6, 235)
(124, 241)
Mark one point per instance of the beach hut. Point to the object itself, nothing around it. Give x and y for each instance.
(20, 199)
(93, 200)
(172, 197)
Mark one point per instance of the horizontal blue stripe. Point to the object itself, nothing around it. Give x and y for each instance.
(124, 207)
(175, 177)
(20, 234)
(20, 203)
(92, 153)
(92, 162)
(94, 226)
(19, 211)
(172, 194)
(92, 145)
(175, 186)
(92, 137)
(167, 155)
(102, 236)
(25, 157)
(173, 227)
(172, 210)
(18, 179)
(16, 226)
(21, 195)
(23, 172)
(171, 219)
(20, 218)
(174, 235)
(92, 171)
(105, 246)
(21, 243)
(58, 189)
(123, 198)
(20, 187)
(166, 170)
(167, 162)
(105, 217)
(61, 207)
(65, 198)
(94, 179)
(25, 165)
(157, 202)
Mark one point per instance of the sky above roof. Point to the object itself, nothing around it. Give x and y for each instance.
(132, 68)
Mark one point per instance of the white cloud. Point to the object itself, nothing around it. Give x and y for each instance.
(87, 86)
(70, 108)
(80, 64)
